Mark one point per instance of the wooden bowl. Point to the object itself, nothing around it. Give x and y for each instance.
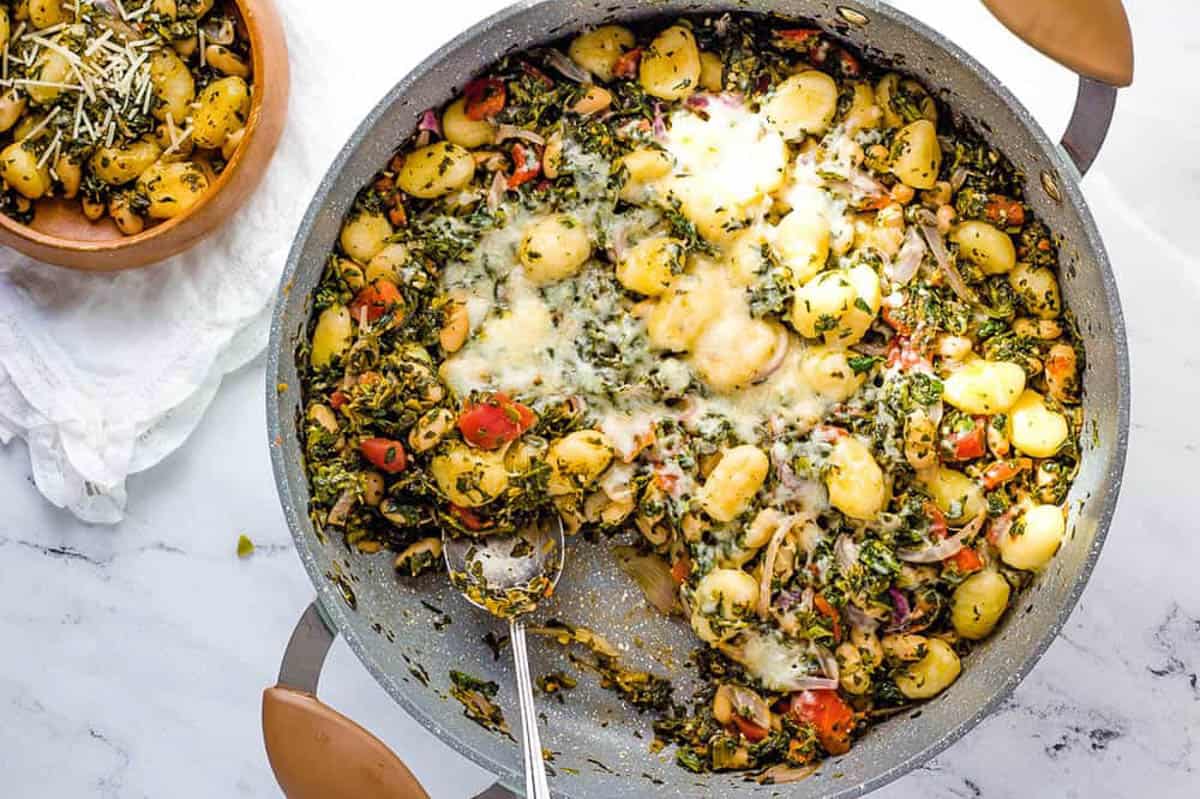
(61, 234)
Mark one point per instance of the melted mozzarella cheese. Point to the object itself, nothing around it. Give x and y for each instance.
(726, 164)
(778, 665)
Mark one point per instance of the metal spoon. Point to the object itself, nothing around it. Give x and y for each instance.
(507, 575)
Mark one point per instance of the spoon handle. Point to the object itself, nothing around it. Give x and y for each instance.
(531, 743)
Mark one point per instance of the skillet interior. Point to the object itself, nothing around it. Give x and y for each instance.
(601, 744)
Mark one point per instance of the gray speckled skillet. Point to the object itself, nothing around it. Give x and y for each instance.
(601, 746)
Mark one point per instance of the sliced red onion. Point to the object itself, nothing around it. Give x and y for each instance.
(865, 184)
(828, 661)
(341, 509)
(697, 101)
(942, 256)
(901, 610)
(1002, 524)
(858, 618)
(934, 553)
(782, 340)
(946, 548)
(749, 704)
(783, 774)
(496, 191)
(566, 67)
(767, 579)
(659, 124)
(507, 131)
(786, 600)
(429, 121)
(813, 684)
(618, 243)
(731, 99)
(845, 552)
(957, 178)
(807, 597)
(908, 260)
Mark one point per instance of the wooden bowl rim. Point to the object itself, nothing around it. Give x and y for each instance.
(261, 85)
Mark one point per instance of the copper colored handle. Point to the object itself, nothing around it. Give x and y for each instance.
(1090, 37)
(317, 753)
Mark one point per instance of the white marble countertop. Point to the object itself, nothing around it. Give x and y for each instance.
(134, 657)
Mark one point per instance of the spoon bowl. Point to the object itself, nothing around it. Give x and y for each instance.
(507, 575)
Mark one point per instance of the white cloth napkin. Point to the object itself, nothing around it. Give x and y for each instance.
(104, 375)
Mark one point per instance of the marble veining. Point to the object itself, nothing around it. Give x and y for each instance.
(133, 658)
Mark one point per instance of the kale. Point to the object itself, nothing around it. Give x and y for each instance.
(861, 364)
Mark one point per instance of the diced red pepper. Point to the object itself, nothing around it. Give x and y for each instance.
(895, 322)
(1004, 211)
(798, 38)
(527, 165)
(385, 453)
(495, 421)
(850, 66)
(680, 569)
(966, 443)
(338, 398)
(484, 98)
(829, 716)
(627, 65)
(937, 521)
(829, 611)
(748, 728)
(965, 561)
(902, 351)
(468, 518)
(376, 299)
(1001, 472)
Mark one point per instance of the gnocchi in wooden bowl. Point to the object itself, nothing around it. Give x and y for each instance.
(721, 291)
(130, 130)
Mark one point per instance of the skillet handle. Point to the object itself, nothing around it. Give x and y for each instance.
(316, 752)
(1089, 37)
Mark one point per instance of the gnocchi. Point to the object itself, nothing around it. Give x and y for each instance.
(670, 68)
(1038, 289)
(554, 248)
(986, 246)
(577, 460)
(984, 387)
(932, 674)
(469, 477)
(651, 265)
(916, 155)
(1031, 542)
(803, 104)
(978, 603)
(838, 305)
(171, 189)
(855, 481)
(597, 50)
(732, 485)
(224, 108)
(1034, 428)
(436, 170)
